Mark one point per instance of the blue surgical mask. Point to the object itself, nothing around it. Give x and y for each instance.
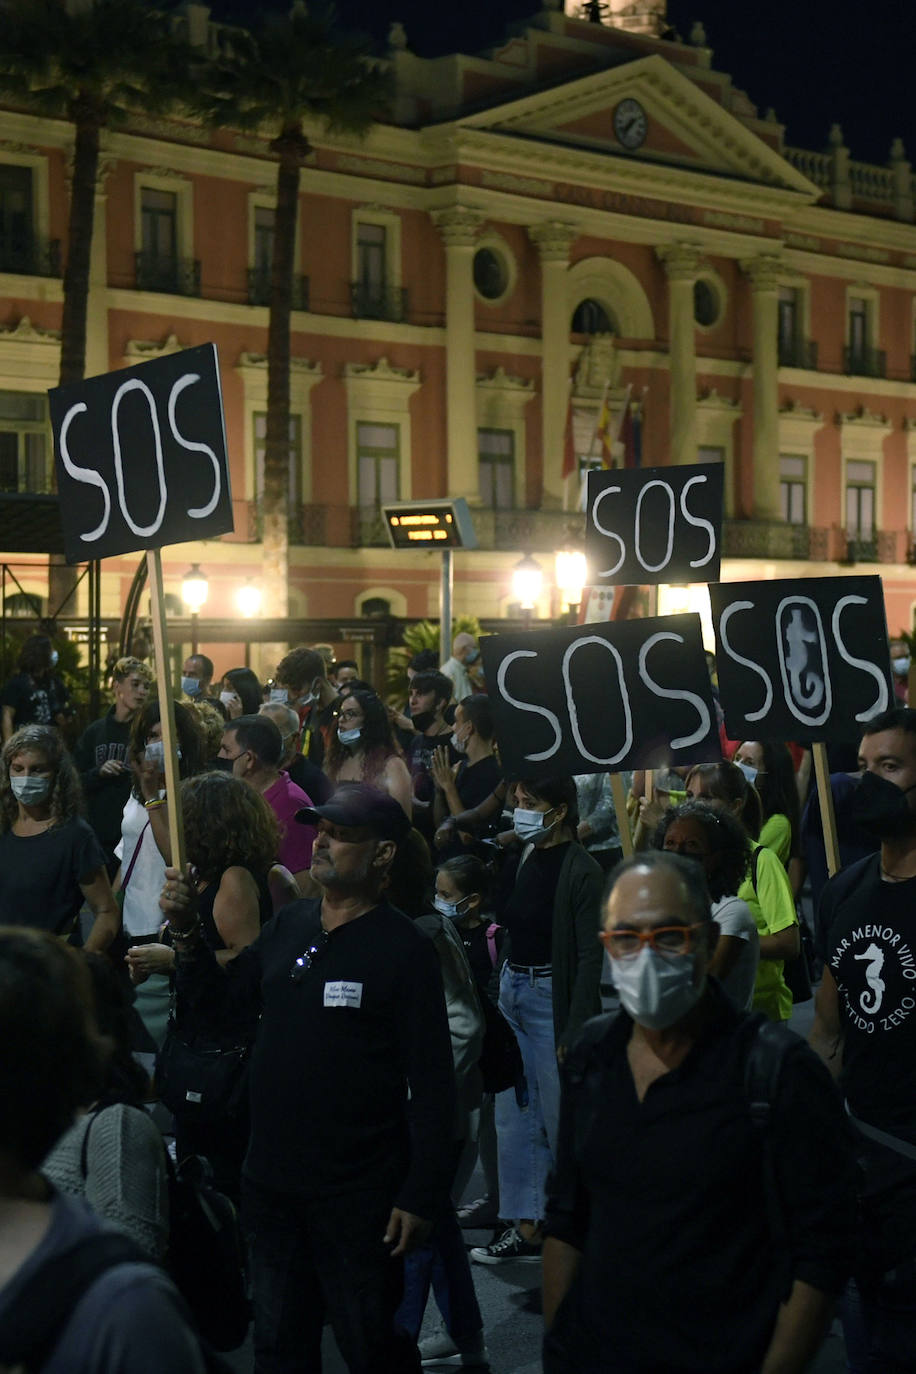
(472, 656)
(349, 736)
(656, 991)
(531, 825)
(749, 772)
(54, 658)
(190, 686)
(31, 791)
(901, 666)
(449, 909)
(279, 695)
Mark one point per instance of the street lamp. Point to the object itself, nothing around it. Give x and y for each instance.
(571, 574)
(194, 589)
(248, 600)
(527, 578)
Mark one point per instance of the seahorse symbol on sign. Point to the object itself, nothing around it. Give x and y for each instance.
(874, 980)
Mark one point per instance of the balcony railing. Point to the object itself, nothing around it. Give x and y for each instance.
(259, 289)
(798, 353)
(378, 302)
(865, 362)
(175, 276)
(31, 257)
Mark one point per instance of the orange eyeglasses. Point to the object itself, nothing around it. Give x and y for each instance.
(626, 944)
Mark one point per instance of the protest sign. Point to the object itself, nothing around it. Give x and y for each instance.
(650, 525)
(588, 699)
(802, 659)
(141, 456)
(141, 462)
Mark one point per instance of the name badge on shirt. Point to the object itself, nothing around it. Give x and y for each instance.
(343, 994)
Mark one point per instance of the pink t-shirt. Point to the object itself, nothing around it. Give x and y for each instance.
(296, 840)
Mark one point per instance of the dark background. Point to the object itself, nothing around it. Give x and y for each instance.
(816, 62)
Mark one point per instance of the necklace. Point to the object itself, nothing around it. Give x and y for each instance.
(896, 877)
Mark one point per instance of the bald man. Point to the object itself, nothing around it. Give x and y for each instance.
(301, 771)
(465, 653)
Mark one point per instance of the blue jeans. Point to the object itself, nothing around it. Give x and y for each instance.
(527, 1116)
(324, 1259)
(442, 1261)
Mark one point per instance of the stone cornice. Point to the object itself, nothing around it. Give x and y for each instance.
(680, 260)
(766, 273)
(458, 225)
(501, 380)
(301, 368)
(142, 350)
(381, 371)
(553, 239)
(24, 332)
(861, 418)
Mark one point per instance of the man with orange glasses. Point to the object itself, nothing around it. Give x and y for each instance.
(683, 1231)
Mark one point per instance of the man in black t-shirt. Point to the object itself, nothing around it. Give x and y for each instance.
(352, 1093)
(865, 1027)
(430, 694)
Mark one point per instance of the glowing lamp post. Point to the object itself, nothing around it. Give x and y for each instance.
(527, 580)
(194, 590)
(248, 599)
(570, 572)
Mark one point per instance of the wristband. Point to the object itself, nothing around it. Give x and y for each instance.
(156, 801)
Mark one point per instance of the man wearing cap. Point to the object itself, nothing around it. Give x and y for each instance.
(352, 1097)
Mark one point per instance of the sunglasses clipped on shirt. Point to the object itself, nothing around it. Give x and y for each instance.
(310, 956)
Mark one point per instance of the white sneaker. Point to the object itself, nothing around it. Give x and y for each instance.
(442, 1351)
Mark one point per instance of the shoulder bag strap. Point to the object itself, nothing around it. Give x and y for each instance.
(134, 856)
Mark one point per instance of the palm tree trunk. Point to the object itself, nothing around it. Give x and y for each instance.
(292, 147)
(61, 578)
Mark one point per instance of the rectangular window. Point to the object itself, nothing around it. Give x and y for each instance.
(858, 330)
(793, 489)
(24, 444)
(295, 454)
(264, 216)
(710, 453)
(16, 227)
(496, 455)
(159, 223)
(787, 320)
(377, 465)
(860, 500)
(371, 271)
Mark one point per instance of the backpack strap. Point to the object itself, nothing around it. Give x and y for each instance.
(32, 1328)
(770, 1045)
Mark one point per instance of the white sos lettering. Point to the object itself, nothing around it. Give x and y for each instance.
(669, 521)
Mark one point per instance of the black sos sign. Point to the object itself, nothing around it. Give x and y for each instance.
(801, 659)
(649, 525)
(141, 456)
(596, 698)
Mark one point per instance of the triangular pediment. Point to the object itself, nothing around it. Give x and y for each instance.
(681, 124)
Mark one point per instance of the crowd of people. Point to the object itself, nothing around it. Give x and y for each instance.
(403, 963)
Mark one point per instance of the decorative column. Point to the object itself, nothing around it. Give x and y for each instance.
(681, 261)
(554, 240)
(459, 228)
(765, 274)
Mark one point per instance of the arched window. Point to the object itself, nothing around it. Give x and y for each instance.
(22, 606)
(590, 317)
(375, 606)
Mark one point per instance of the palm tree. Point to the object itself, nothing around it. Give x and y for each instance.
(296, 69)
(91, 62)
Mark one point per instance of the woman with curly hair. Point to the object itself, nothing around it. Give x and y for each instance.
(50, 859)
(231, 839)
(718, 840)
(362, 748)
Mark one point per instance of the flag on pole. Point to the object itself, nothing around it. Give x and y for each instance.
(569, 443)
(603, 432)
(632, 432)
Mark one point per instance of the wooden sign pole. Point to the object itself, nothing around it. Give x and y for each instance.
(620, 810)
(166, 710)
(825, 799)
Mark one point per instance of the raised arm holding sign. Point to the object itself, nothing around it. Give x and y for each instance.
(141, 462)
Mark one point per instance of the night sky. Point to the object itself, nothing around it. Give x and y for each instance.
(814, 61)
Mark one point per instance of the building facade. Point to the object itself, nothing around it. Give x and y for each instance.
(589, 212)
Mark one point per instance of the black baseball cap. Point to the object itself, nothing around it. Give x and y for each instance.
(362, 806)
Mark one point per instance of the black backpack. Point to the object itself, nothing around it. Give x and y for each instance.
(30, 1332)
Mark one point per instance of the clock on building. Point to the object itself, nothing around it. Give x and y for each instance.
(630, 123)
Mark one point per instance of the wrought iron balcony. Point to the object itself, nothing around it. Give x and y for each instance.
(174, 276)
(378, 302)
(798, 353)
(259, 288)
(865, 362)
(30, 257)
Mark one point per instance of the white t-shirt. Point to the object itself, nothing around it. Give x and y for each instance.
(733, 917)
(141, 899)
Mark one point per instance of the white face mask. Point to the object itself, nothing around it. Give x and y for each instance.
(654, 989)
(155, 753)
(449, 909)
(460, 746)
(901, 666)
(349, 736)
(749, 771)
(31, 791)
(280, 695)
(531, 825)
(55, 657)
(230, 698)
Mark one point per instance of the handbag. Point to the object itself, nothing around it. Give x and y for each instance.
(500, 1060)
(201, 1083)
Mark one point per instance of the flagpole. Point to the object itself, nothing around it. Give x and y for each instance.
(591, 448)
